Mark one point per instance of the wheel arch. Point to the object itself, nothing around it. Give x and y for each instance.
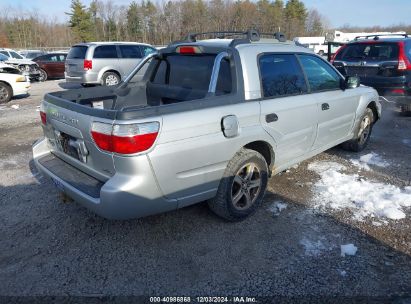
(9, 85)
(373, 106)
(265, 149)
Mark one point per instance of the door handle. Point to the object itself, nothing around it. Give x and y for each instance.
(271, 117)
(325, 106)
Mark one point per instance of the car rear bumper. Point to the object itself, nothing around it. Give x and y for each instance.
(122, 196)
(88, 78)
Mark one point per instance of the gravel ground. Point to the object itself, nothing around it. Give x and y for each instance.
(52, 247)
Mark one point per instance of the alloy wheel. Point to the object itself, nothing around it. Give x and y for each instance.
(4, 94)
(111, 80)
(365, 128)
(246, 186)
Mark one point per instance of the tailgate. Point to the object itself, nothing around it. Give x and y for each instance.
(74, 64)
(68, 137)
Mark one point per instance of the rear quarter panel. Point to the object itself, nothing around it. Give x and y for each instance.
(192, 153)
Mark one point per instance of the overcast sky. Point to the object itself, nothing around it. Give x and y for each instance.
(338, 12)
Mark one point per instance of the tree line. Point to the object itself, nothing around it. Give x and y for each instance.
(158, 23)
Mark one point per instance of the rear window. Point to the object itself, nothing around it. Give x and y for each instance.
(77, 52)
(105, 51)
(369, 51)
(193, 72)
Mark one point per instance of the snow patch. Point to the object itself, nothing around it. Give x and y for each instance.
(15, 107)
(348, 249)
(277, 206)
(370, 159)
(339, 191)
(312, 248)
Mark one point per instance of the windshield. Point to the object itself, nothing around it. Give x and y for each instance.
(369, 51)
(3, 57)
(77, 52)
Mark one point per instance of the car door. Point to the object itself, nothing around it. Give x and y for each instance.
(336, 106)
(288, 113)
(52, 64)
(61, 60)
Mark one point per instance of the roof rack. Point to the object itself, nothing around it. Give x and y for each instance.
(376, 37)
(239, 37)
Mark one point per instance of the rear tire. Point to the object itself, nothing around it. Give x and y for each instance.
(363, 133)
(110, 79)
(43, 75)
(242, 187)
(6, 93)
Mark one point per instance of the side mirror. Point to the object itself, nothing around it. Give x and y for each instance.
(352, 82)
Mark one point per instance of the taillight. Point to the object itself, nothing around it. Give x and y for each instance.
(43, 117)
(125, 139)
(188, 50)
(88, 65)
(403, 61)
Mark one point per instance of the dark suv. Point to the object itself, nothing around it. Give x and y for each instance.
(382, 62)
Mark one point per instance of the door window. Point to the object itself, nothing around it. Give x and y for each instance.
(105, 51)
(130, 51)
(321, 76)
(15, 55)
(5, 54)
(281, 75)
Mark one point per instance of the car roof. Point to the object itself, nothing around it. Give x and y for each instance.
(263, 43)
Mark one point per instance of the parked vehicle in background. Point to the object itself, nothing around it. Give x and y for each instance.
(51, 65)
(342, 37)
(12, 83)
(30, 54)
(26, 66)
(382, 62)
(317, 44)
(105, 63)
(210, 120)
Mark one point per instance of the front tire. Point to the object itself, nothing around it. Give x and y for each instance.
(363, 134)
(43, 75)
(242, 187)
(5, 93)
(110, 79)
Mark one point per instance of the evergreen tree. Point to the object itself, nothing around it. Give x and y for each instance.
(134, 21)
(81, 22)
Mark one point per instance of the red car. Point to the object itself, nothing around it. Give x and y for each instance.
(51, 65)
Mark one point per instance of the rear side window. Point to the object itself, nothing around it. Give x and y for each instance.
(369, 51)
(281, 75)
(321, 76)
(77, 52)
(130, 51)
(105, 51)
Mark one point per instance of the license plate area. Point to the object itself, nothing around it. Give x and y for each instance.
(71, 146)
